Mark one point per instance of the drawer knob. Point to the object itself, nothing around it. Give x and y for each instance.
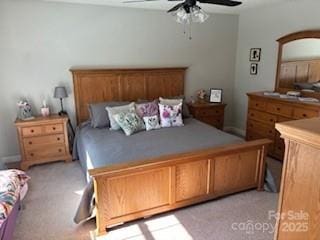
(271, 120)
(30, 143)
(32, 130)
(58, 139)
(60, 150)
(304, 115)
(54, 128)
(31, 154)
(257, 104)
(270, 131)
(278, 109)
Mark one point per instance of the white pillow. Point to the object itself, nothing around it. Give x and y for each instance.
(170, 102)
(151, 122)
(116, 110)
(171, 116)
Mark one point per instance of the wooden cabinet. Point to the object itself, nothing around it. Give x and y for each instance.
(265, 111)
(43, 140)
(299, 202)
(210, 113)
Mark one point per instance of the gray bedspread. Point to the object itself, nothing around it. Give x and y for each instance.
(101, 147)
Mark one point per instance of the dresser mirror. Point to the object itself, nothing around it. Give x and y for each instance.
(299, 64)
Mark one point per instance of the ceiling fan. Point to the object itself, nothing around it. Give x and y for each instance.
(188, 11)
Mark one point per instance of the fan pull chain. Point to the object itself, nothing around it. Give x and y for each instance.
(190, 32)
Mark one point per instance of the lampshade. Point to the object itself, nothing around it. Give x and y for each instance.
(60, 92)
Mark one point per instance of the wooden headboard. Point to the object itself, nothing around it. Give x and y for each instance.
(99, 85)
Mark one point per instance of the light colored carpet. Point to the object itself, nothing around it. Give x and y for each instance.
(54, 192)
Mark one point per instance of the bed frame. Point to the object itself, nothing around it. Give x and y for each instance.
(142, 188)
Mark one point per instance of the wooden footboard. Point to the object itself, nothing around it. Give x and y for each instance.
(126, 192)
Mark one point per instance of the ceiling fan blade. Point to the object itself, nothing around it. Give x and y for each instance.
(176, 7)
(228, 3)
(138, 1)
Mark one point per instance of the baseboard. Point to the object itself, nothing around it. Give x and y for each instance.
(235, 131)
(11, 159)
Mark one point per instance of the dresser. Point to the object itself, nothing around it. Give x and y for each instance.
(299, 201)
(42, 140)
(210, 113)
(265, 111)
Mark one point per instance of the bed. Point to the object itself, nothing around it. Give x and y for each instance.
(13, 188)
(153, 172)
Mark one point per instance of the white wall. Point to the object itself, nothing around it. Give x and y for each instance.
(260, 28)
(40, 41)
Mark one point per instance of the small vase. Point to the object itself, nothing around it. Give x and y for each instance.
(45, 112)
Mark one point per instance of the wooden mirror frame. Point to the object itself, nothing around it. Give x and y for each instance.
(289, 38)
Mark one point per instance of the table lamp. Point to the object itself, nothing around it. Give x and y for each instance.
(61, 92)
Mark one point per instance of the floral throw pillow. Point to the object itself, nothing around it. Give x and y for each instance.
(129, 122)
(147, 109)
(151, 122)
(118, 109)
(171, 116)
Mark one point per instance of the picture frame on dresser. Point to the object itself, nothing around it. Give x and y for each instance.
(215, 95)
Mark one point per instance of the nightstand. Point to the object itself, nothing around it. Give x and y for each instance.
(210, 113)
(42, 140)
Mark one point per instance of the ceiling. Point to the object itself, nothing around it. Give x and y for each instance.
(165, 5)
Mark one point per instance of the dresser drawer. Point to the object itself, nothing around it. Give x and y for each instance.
(263, 130)
(53, 128)
(262, 117)
(279, 146)
(210, 112)
(253, 135)
(45, 152)
(280, 109)
(32, 142)
(300, 113)
(256, 104)
(283, 119)
(31, 131)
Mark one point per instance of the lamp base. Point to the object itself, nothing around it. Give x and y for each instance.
(63, 113)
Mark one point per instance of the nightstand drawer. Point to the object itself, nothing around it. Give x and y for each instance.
(45, 152)
(31, 131)
(32, 142)
(300, 113)
(205, 112)
(54, 128)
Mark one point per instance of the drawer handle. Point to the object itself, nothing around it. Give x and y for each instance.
(30, 143)
(58, 139)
